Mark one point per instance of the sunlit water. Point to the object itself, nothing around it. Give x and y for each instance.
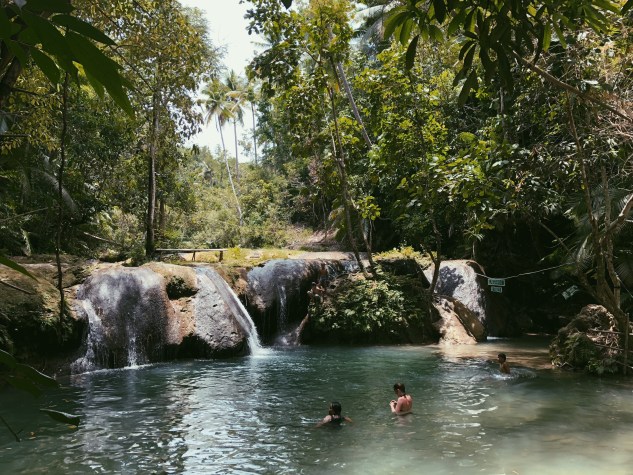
(257, 415)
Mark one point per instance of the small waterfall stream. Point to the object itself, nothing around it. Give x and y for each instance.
(234, 303)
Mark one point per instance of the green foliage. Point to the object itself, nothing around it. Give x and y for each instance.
(57, 40)
(390, 309)
(497, 32)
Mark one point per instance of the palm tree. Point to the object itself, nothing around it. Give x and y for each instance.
(252, 96)
(219, 106)
(236, 97)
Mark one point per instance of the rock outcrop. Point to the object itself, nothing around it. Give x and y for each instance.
(132, 319)
(589, 342)
(277, 293)
(457, 324)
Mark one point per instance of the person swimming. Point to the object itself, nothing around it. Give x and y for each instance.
(503, 364)
(334, 417)
(404, 403)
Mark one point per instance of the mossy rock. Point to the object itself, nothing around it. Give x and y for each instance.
(180, 281)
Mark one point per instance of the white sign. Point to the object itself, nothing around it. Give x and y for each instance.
(570, 291)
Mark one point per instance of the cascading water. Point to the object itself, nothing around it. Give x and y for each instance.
(239, 312)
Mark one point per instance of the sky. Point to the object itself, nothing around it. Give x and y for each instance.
(227, 27)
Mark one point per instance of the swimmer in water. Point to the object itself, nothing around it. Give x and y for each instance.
(404, 402)
(503, 364)
(334, 417)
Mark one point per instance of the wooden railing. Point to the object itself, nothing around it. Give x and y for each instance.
(193, 258)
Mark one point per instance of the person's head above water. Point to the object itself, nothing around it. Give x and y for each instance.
(335, 408)
(502, 357)
(399, 387)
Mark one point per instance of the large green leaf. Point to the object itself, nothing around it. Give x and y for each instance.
(7, 359)
(51, 38)
(62, 416)
(46, 64)
(101, 68)
(469, 84)
(55, 6)
(23, 385)
(15, 266)
(82, 28)
(33, 375)
(411, 50)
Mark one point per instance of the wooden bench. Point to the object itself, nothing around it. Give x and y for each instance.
(221, 251)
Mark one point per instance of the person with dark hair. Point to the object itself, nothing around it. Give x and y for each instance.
(334, 417)
(503, 364)
(323, 275)
(404, 402)
(316, 293)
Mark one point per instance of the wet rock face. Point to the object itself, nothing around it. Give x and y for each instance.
(277, 293)
(133, 321)
(129, 314)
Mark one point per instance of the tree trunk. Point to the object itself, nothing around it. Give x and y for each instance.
(228, 171)
(254, 137)
(150, 241)
(237, 161)
(344, 186)
(60, 203)
(342, 79)
(161, 218)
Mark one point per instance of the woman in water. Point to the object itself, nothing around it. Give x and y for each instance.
(334, 417)
(404, 402)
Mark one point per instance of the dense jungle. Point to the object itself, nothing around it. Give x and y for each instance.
(407, 141)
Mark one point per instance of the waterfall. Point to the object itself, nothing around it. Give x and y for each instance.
(234, 303)
(282, 316)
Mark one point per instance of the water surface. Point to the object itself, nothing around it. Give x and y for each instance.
(257, 415)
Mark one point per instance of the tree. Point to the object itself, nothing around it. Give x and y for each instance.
(236, 96)
(166, 57)
(218, 104)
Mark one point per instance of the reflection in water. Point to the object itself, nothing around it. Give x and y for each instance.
(257, 415)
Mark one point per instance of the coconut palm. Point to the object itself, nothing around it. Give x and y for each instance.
(218, 105)
(236, 98)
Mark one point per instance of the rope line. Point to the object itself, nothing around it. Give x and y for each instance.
(522, 274)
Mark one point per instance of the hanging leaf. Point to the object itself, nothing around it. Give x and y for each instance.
(55, 6)
(46, 65)
(23, 385)
(440, 10)
(15, 266)
(51, 38)
(411, 50)
(395, 19)
(82, 28)
(7, 359)
(17, 51)
(64, 417)
(33, 375)
(469, 84)
(101, 68)
(96, 85)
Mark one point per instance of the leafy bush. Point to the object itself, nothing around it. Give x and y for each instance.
(392, 309)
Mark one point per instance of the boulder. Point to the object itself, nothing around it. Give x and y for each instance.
(456, 324)
(134, 321)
